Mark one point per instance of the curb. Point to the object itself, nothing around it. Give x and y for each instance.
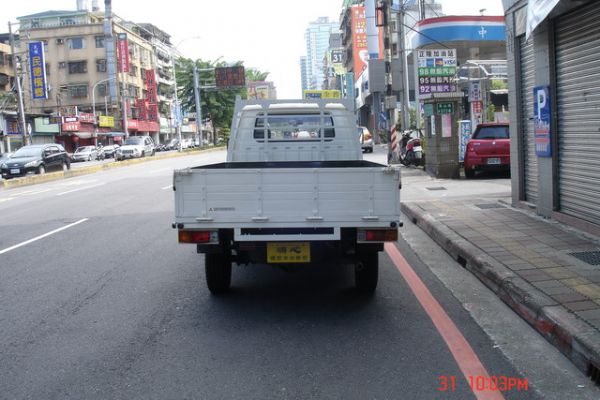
(575, 339)
(53, 176)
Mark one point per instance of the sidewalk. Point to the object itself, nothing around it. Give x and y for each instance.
(545, 271)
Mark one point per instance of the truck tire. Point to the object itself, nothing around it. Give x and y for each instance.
(366, 271)
(218, 272)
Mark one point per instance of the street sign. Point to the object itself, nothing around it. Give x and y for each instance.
(444, 108)
(230, 77)
(542, 113)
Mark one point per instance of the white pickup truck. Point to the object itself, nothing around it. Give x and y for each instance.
(294, 189)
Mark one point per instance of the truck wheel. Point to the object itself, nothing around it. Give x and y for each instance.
(366, 271)
(218, 272)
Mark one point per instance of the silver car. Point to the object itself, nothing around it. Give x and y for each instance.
(85, 153)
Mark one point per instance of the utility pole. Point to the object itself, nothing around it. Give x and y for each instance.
(24, 136)
(405, 121)
(198, 107)
(177, 107)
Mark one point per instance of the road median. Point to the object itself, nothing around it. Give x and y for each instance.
(71, 173)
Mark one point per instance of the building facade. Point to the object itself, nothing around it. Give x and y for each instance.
(78, 80)
(553, 62)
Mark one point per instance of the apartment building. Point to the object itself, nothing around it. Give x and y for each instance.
(77, 76)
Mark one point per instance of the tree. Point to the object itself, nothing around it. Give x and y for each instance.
(253, 75)
(218, 103)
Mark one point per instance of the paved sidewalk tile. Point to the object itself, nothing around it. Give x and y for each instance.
(535, 250)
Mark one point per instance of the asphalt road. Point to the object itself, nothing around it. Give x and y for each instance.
(98, 300)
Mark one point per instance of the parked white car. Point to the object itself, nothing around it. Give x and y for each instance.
(135, 147)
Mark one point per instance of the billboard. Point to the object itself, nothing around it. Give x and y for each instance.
(360, 52)
(37, 70)
(123, 52)
(437, 68)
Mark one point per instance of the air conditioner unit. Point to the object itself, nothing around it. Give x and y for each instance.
(60, 41)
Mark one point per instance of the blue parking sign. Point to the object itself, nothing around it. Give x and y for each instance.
(542, 120)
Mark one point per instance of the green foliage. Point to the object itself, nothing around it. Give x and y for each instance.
(218, 103)
(498, 84)
(252, 75)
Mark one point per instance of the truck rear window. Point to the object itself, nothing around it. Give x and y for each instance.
(293, 127)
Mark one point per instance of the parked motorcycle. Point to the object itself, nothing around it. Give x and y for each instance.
(411, 149)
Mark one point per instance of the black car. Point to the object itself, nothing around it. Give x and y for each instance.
(36, 159)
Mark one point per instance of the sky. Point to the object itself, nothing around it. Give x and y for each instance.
(265, 34)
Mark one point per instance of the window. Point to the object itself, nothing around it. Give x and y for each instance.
(294, 127)
(101, 65)
(78, 91)
(45, 45)
(102, 89)
(76, 43)
(77, 67)
(62, 64)
(133, 70)
(47, 69)
(99, 41)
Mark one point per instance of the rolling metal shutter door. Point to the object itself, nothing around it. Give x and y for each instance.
(578, 108)
(530, 164)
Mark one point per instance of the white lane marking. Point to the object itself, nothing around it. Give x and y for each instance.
(16, 246)
(167, 187)
(7, 199)
(30, 192)
(78, 189)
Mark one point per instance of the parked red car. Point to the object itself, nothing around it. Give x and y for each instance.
(488, 149)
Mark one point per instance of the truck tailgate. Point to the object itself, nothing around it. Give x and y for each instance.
(287, 194)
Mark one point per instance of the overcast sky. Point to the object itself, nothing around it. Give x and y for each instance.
(265, 34)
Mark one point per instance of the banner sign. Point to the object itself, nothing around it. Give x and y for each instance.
(322, 94)
(123, 52)
(105, 121)
(360, 53)
(437, 69)
(542, 114)
(464, 134)
(37, 69)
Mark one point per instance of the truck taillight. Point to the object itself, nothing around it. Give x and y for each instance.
(377, 235)
(198, 237)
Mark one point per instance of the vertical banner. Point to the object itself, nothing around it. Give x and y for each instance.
(464, 134)
(360, 53)
(37, 69)
(542, 114)
(123, 52)
(446, 125)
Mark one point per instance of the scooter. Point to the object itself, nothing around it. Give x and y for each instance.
(411, 151)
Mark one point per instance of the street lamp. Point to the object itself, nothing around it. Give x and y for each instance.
(94, 103)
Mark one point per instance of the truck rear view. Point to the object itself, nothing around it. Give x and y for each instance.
(294, 190)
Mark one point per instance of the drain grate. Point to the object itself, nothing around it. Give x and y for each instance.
(590, 257)
(489, 205)
(436, 188)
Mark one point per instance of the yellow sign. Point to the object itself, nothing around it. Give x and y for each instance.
(322, 94)
(288, 252)
(107, 122)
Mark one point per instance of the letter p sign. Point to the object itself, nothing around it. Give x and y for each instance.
(542, 98)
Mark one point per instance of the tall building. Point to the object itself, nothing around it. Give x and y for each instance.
(317, 43)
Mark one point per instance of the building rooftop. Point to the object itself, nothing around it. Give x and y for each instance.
(52, 13)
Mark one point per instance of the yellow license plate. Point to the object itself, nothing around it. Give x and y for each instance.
(288, 252)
